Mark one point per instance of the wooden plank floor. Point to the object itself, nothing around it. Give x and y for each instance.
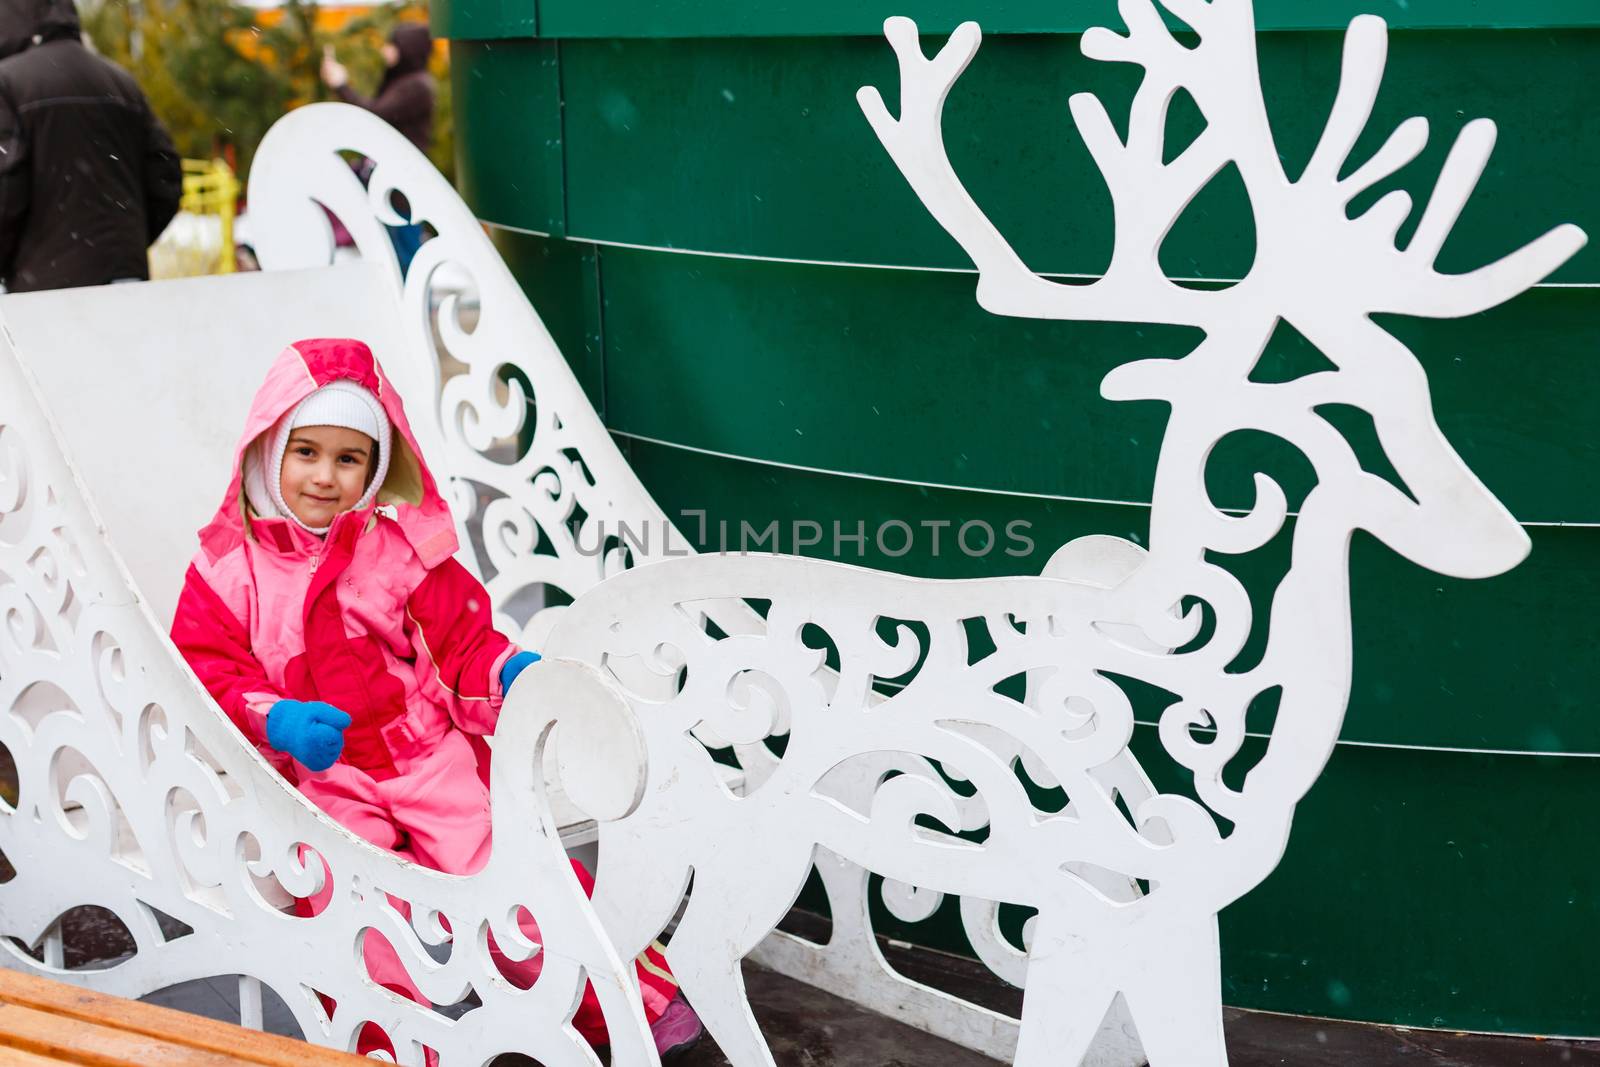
(48, 1022)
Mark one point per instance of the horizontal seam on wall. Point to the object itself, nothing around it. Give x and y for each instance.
(874, 477)
(1396, 746)
(831, 31)
(913, 483)
(1451, 749)
(922, 269)
(1413, 1028)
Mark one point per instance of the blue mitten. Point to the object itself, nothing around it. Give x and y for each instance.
(309, 730)
(515, 666)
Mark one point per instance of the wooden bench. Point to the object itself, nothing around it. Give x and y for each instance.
(47, 1022)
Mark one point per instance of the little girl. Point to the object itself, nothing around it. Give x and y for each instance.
(328, 617)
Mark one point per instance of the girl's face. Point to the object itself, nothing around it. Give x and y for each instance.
(325, 472)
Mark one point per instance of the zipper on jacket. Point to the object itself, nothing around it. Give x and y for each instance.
(316, 560)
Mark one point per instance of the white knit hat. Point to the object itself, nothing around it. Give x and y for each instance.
(340, 403)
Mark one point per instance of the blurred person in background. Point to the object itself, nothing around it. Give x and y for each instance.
(405, 96)
(404, 100)
(88, 176)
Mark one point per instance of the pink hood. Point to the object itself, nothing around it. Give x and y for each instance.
(409, 487)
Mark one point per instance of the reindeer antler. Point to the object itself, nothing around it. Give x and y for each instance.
(1133, 290)
(1405, 281)
(1148, 195)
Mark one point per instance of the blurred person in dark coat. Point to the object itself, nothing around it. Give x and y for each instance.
(404, 100)
(88, 176)
(405, 96)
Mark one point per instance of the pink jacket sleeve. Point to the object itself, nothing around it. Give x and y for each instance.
(458, 647)
(217, 646)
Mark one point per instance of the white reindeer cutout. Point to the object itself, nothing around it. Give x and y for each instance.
(852, 781)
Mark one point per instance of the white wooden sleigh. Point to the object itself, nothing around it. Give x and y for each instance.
(118, 409)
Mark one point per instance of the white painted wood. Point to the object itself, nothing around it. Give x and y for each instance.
(55, 951)
(578, 828)
(850, 964)
(250, 1002)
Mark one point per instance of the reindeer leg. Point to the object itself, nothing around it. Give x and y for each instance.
(705, 959)
(731, 908)
(1174, 993)
(635, 892)
(1067, 994)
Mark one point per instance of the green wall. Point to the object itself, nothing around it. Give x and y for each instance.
(811, 355)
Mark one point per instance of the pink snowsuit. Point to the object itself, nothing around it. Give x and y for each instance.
(378, 619)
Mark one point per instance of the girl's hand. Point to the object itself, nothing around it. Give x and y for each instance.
(309, 730)
(515, 666)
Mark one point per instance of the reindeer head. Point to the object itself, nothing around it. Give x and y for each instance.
(1315, 268)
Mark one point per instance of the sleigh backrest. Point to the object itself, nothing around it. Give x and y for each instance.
(150, 383)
